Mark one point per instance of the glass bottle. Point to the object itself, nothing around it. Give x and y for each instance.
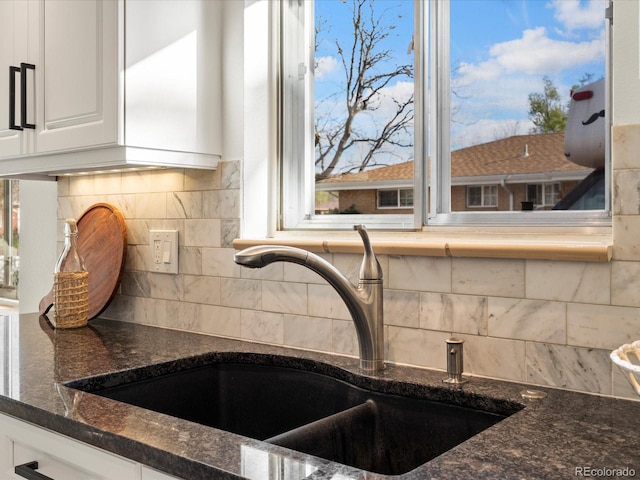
(71, 283)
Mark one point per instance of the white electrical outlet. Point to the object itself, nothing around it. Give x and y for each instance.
(163, 245)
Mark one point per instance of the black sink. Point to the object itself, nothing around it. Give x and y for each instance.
(305, 411)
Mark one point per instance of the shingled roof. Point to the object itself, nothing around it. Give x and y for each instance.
(518, 155)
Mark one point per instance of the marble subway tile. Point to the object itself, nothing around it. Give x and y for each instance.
(494, 357)
(136, 182)
(573, 368)
(453, 313)
(201, 289)
(601, 326)
(422, 348)
(138, 231)
(126, 203)
(533, 320)
(626, 231)
(183, 316)
(138, 258)
(190, 260)
(82, 185)
(345, 340)
(219, 262)
(122, 307)
(108, 183)
(230, 174)
(308, 332)
(221, 203)
(284, 297)
(167, 180)
(499, 278)
(168, 287)
(625, 144)
(221, 321)
(229, 231)
(324, 301)
(425, 274)
(136, 284)
(184, 205)
(402, 308)
(580, 282)
(626, 192)
(202, 233)
(151, 205)
(198, 179)
(151, 311)
(265, 327)
(62, 184)
(241, 293)
(625, 283)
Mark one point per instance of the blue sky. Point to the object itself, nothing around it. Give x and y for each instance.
(500, 52)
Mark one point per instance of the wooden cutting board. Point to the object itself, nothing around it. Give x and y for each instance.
(102, 243)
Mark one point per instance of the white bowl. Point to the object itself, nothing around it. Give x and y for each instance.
(627, 357)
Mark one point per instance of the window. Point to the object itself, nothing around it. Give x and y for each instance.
(544, 194)
(398, 198)
(9, 234)
(469, 96)
(482, 196)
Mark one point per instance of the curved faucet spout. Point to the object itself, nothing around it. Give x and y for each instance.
(364, 302)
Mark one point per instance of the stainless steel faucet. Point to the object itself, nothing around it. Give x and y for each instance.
(364, 301)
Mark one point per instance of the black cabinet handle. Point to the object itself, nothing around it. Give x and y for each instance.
(23, 94)
(28, 471)
(12, 98)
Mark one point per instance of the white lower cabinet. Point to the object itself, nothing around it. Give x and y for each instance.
(61, 458)
(151, 474)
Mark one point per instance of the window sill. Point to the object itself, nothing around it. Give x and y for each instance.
(569, 247)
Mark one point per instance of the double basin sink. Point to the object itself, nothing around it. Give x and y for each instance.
(373, 428)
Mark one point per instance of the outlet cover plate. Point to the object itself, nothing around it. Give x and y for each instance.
(163, 249)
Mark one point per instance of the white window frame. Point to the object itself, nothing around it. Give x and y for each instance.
(483, 196)
(432, 122)
(398, 205)
(543, 193)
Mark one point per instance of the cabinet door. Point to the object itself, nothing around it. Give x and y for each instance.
(173, 72)
(152, 474)
(58, 457)
(74, 46)
(13, 50)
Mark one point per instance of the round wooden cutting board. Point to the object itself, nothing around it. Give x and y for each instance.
(102, 243)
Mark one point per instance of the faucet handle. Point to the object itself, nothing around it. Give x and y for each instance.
(370, 268)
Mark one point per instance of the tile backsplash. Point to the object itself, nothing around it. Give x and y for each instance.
(549, 323)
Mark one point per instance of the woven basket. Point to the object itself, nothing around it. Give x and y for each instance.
(71, 299)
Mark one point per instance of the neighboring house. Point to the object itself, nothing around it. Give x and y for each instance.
(493, 176)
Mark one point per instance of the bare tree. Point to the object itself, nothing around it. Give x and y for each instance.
(369, 69)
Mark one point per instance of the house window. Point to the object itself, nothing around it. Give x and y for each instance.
(482, 196)
(396, 198)
(462, 92)
(543, 194)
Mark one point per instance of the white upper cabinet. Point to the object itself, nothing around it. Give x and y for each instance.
(74, 49)
(109, 84)
(13, 45)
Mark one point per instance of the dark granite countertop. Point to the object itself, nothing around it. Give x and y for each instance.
(549, 438)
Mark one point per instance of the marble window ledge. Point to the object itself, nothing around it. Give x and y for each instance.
(569, 247)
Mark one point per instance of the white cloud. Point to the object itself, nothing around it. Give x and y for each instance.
(325, 66)
(576, 14)
(535, 53)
